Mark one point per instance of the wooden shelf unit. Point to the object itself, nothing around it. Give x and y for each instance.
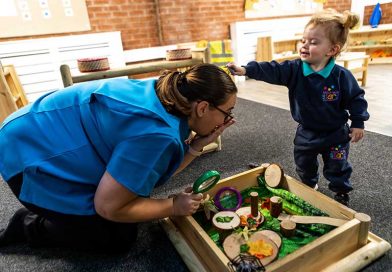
(360, 40)
(286, 49)
(356, 62)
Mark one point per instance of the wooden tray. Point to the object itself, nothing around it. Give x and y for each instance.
(357, 247)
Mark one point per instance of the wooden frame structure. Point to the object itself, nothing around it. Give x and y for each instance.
(357, 246)
(129, 70)
(12, 95)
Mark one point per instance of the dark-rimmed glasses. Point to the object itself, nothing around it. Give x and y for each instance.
(228, 115)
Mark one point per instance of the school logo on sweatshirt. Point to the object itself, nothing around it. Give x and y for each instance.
(329, 94)
(338, 153)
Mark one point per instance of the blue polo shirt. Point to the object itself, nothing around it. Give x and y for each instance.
(66, 140)
(320, 101)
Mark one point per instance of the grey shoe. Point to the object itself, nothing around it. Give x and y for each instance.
(342, 198)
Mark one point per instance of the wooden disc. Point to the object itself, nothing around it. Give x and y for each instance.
(247, 211)
(275, 250)
(273, 175)
(232, 243)
(287, 228)
(233, 223)
(273, 236)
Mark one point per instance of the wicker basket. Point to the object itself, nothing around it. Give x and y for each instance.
(93, 64)
(179, 54)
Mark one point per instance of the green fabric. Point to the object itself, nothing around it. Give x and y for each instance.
(304, 234)
(325, 72)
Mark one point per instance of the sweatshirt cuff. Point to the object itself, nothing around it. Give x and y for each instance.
(357, 124)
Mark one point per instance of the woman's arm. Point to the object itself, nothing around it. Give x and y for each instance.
(116, 203)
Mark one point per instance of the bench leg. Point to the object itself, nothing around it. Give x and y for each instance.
(365, 71)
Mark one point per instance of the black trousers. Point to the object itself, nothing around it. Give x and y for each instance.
(334, 149)
(47, 228)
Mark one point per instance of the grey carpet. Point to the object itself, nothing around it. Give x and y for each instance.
(262, 134)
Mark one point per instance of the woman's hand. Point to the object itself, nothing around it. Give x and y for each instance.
(186, 203)
(236, 70)
(199, 142)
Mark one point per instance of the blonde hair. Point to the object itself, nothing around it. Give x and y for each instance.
(204, 82)
(336, 25)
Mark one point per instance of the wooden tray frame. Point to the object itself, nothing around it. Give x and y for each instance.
(357, 246)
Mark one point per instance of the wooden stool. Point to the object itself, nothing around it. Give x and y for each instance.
(355, 62)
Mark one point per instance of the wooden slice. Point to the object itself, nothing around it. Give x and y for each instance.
(273, 236)
(273, 175)
(287, 228)
(231, 245)
(233, 242)
(246, 211)
(265, 165)
(220, 223)
(275, 250)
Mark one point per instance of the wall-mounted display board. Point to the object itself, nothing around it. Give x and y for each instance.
(37, 17)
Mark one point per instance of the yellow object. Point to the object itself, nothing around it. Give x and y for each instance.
(260, 247)
(220, 50)
(249, 4)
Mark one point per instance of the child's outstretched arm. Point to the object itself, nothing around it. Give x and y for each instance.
(236, 70)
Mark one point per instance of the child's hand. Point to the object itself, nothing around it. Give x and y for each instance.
(356, 134)
(236, 70)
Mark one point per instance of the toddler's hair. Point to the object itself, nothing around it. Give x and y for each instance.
(336, 25)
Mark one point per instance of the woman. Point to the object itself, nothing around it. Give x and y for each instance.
(84, 160)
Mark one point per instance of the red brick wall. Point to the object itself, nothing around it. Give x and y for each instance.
(386, 14)
(339, 5)
(181, 20)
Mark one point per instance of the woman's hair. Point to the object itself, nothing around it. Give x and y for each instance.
(203, 82)
(336, 25)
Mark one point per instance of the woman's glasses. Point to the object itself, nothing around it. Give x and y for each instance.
(228, 115)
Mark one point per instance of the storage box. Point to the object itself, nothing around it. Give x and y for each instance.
(349, 247)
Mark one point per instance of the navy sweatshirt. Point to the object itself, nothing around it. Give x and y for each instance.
(317, 103)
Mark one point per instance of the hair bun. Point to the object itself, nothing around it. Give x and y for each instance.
(351, 20)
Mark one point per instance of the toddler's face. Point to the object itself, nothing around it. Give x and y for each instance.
(315, 48)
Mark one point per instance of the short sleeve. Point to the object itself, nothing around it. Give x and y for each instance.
(139, 163)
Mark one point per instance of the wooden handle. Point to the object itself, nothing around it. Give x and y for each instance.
(313, 219)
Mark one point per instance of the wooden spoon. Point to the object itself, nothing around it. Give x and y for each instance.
(312, 219)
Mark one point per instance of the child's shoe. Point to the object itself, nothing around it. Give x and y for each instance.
(342, 198)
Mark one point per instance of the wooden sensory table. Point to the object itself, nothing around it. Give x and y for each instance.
(348, 247)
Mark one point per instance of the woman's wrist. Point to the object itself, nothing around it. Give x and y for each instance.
(194, 152)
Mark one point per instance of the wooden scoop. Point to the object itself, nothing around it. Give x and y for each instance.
(312, 219)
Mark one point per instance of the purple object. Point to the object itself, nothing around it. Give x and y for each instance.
(217, 197)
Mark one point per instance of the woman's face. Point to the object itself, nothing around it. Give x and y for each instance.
(206, 117)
